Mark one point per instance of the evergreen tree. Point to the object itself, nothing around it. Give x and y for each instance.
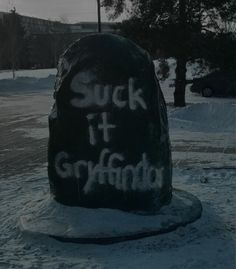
(174, 27)
(12, 45)
(13, 39)
(3, 45)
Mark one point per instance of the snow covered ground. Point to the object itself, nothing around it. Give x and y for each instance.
(203, 137)
(39, 73)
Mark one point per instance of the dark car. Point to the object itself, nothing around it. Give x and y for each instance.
(215, 84)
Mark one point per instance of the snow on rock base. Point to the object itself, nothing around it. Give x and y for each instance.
(105, 226)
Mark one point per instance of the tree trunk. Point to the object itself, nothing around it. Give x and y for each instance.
(13, 71)
(180, 82)
(13, 40)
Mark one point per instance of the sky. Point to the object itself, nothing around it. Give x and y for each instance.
(69, 10)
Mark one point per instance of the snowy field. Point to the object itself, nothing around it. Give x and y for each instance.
(203, 137)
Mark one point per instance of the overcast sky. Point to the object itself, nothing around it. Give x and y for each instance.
(71, 10)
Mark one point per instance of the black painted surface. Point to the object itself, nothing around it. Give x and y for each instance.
(109, 143)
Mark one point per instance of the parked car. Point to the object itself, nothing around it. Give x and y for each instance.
(215, 84)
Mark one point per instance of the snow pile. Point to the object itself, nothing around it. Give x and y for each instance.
(23, 84)
(46, 216)
(207, 117)
(36, 73)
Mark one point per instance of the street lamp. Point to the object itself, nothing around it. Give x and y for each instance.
(99, 15)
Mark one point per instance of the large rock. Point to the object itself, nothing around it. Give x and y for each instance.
(109, 143)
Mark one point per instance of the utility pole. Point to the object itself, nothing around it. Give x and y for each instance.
(99, 15)
(181, 59)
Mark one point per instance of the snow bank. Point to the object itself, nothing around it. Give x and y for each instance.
(37, 73)
(25, 84)
(47, 217)
(207, 117)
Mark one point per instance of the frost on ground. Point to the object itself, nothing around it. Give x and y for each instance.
(203, 150)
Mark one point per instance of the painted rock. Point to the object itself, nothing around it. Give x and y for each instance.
(109, 143)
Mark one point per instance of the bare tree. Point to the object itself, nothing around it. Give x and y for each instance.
(13, 40)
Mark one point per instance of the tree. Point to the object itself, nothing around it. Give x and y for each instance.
(47, 43)
(219, 51)
(12, 41)
(175, 27)
(3, 45)
(14, 37)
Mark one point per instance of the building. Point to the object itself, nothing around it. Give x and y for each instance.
(33, 25)
(47, 39)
